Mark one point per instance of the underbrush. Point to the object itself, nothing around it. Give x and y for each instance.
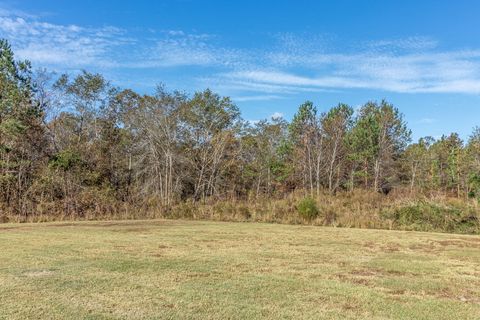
(357, 209)
(426, 215)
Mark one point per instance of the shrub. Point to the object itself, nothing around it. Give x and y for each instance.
(474, 183)
(307, 208)
(428, 216)
(65, 160)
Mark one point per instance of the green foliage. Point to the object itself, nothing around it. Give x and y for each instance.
(307, 208)
(208, 111)
(21, 132)
(474, 186)
(65, 160)
(428, 216)
(303, 120)
(16, 87)
(12, 127)
(378, 136)
(87, 92)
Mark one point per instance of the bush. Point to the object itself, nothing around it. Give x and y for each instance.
(307, 208)
(427, 216)
(65, 160)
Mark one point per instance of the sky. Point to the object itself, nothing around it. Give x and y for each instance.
(270, 56)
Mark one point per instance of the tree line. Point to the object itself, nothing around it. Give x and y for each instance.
(74, 144)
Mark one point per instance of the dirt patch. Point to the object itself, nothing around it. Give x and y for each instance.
(157, 255)
(467, 238)
(353, 280)
(398, 273)
(349, 306)
(8, 228)
(108, 224)
(63, 224)
(370, 244)
(363, 273)
(127, 230)
(200, 274)
(38, 273)
(430, 247)
(94, 224)
(445, 243)
(361, 281)
(465, 296)
(390, 249)
(458, 243)
(397, 292)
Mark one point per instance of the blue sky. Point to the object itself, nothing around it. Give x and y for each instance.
(270, 56)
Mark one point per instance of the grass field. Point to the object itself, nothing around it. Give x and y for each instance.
(213, 270)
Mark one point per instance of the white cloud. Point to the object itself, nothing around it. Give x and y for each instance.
(252, 122)
(409, 43)
(180, 49)
(65, 45)
(453, 72)
(295, 64)
(72, 46)
(276, 115)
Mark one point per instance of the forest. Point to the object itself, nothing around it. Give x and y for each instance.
(78, 147)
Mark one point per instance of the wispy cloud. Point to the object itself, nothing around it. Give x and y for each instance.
(427, 121)
(276, 115)
(409, 43)
(446, 72)
(73, 46)
(177, 48)
(66, 45)
(294, 63)
(266, 97)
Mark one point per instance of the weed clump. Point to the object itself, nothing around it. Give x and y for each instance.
(307, 208)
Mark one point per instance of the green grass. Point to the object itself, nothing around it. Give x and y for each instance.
(212, 270)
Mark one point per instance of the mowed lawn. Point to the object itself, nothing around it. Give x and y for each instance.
(212, 270)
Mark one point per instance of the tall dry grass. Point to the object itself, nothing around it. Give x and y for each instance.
(400, 209)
